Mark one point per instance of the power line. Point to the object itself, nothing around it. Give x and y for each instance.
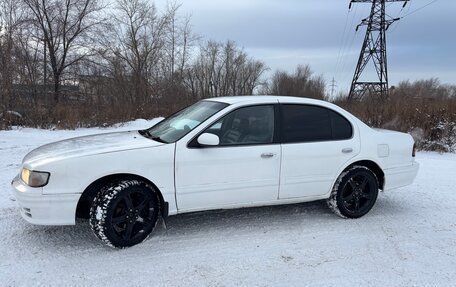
(400, 16)
(418, 9)
(345, 58)
(410, 13)
(346, 44)
(341, 43)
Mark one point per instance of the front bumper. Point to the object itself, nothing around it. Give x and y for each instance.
(44, 209)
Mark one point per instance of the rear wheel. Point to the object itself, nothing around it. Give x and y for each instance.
(124, 213)
(354, 193)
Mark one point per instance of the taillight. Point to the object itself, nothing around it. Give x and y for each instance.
(414, 150)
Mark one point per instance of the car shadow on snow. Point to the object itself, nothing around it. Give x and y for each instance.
(216, 223)
(308, 214)
(244, 218)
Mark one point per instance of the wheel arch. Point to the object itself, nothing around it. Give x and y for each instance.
(374, 167)
(86, 198)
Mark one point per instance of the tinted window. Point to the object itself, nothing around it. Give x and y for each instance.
(341, 127)
(306, 123)
(249, 125)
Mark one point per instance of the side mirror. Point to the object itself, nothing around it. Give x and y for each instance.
(208, 139)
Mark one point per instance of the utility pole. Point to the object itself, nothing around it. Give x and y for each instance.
(44, 71)
(333, 87)
(373, 50)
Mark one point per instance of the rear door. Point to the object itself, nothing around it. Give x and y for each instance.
(316, 143)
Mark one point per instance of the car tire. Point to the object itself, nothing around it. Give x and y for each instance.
(124, 213)
(354, 193)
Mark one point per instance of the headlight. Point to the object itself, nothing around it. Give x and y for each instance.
(34, 178)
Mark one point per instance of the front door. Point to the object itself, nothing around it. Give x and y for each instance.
(242, 170)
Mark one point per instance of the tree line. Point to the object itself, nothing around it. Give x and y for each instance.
(424, 108)
(67, 59)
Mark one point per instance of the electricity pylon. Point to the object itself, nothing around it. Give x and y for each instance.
(373, 50)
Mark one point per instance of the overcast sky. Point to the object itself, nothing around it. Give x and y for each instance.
(321, 33)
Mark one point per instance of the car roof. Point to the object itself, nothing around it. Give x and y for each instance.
(266, 99)
(260, 99)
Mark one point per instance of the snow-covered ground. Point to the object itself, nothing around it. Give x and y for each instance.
(408, 239)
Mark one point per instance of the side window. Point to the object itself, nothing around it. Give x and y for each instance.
(305, 123)
(249, 125)
(341, 127)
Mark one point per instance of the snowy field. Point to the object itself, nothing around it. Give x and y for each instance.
(408, 239)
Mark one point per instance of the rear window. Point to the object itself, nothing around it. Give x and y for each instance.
(307, 123)
(341, 127)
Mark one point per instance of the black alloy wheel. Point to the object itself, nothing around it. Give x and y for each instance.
(358, 194)
(354, 193)
(132, 214)
(125, 213)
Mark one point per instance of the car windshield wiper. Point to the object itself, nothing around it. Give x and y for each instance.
(148, 135)
(144, 133)
(158, 139)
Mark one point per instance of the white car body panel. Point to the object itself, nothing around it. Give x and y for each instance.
(236, 176)
(309, 169)
(192, 179)
(210, 178)
(86, 146)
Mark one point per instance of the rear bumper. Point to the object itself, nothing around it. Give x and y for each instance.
(36, 208)
(400, 176)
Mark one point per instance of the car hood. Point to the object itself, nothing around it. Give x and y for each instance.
(90, 145)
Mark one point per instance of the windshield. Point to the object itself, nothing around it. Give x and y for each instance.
(181, 123)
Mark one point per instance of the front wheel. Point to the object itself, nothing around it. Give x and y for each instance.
(354, 193)
(124, 213)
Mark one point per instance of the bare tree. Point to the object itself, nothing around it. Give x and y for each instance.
(64, 26)
(12, 17)
(175, 58)
(222, 70)
(179, 40)
(428, 88)
(30, 64)
(139, 42)
(302, 83)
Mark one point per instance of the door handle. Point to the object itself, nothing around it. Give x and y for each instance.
(267, 155)
(347, 150)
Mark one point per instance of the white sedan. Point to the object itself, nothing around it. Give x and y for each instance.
(218, 153)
